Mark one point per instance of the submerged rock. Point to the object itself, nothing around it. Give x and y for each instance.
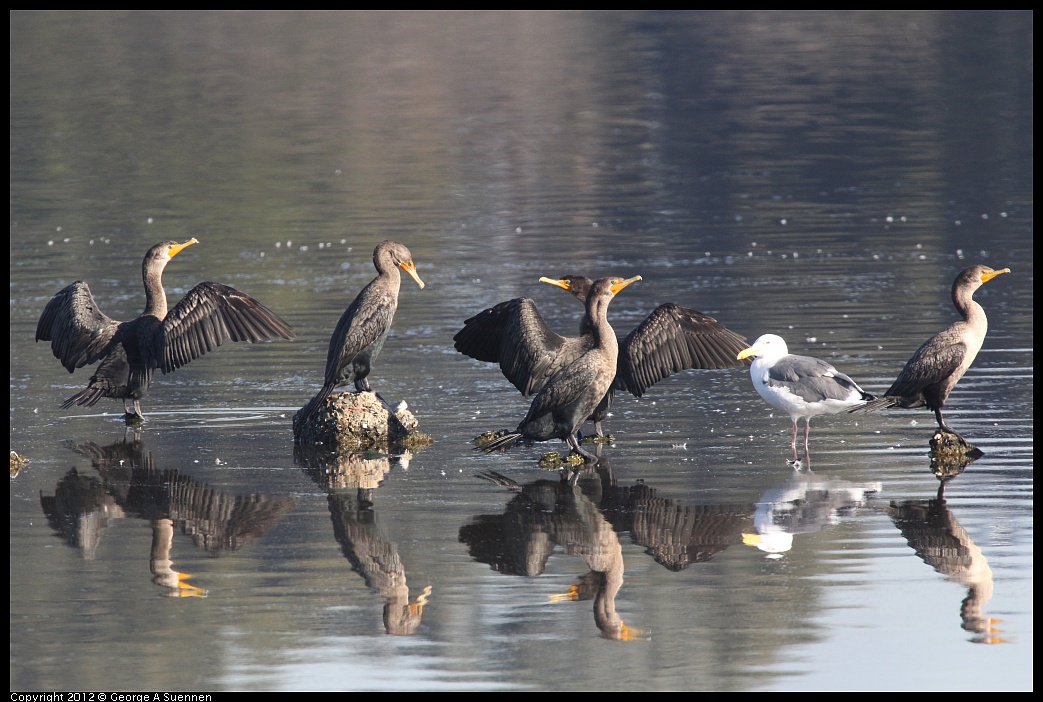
(359, 421)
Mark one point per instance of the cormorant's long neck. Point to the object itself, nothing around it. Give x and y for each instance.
(155, 296)
(597, 313)
(971, 311)
(392, 278)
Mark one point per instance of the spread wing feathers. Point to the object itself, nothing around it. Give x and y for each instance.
(673, 339)
(209, 315)
(562, 389)
(514, 334)
(78, 331)
(812, 379)
(110, 379)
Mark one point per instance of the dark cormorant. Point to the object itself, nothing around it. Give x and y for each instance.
(671, 339)
(936, 367)
(574, 390)
(210, 314)
(800, 386)
(364, 326)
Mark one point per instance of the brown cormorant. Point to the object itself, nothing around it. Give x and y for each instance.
(574, 390)
(210, 314)
(671, 339)
(936, 367)
(364, 326)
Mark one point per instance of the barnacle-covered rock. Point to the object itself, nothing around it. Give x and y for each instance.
(359, 421)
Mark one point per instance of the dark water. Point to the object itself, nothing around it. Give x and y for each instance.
(822, 176)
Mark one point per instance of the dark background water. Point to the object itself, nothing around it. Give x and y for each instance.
(822, 176)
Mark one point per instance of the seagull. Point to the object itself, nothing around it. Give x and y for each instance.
(801, 386)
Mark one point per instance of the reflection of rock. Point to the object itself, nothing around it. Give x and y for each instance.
(18, 462)
(804, 504)
(357, 421)
(938, 539)
(952, 450)
(376, 559)
(340, 471)
(949, 457)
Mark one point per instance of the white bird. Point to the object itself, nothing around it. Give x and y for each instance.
(801, 386)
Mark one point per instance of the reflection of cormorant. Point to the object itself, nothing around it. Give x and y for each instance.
(936, 367)
(376, 559)
(548, 513)
(677, 535)
(79, 510)
(210, 314)
(350, 481)
(573, 392)
(131, 485)
(363, 328)
(671, 339)
(804, 504)
(800, 386)
(938, 539)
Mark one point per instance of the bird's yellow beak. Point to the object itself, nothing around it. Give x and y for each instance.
(563, 284)
(620, 284)
(409, 268)
(990, 274)
(746, 353)
(178, 248)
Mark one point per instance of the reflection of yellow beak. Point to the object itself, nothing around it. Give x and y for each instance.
(629, 633)
(990, 274)
(186, 590)
(178, 248)
(751, 539)
(409, 268)
(563, 284)
(571, 596)
(417, 608)
(620, 284)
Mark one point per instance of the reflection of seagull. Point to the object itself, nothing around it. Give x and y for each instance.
(938, 539)
(376, 559)
(544, 514)
(805, 503)
(132, 486)
(800, 386)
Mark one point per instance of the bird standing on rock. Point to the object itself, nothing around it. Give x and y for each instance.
(933, 371)
(364, 326)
